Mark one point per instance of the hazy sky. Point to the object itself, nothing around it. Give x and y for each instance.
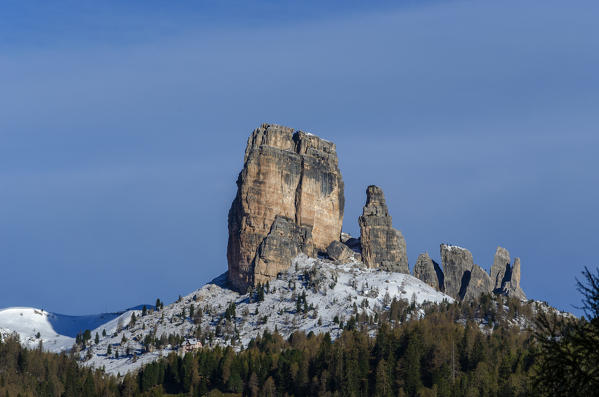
(122, 131)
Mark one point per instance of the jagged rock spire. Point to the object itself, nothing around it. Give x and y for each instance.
(501, 266)
(506, 277)
(465, 280)
(382, 245)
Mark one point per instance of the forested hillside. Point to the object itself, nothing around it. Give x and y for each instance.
(456, 349)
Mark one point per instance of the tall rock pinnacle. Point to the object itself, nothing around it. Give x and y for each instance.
(501, 266)
(506, 277)
(286, 173)
(382, 245)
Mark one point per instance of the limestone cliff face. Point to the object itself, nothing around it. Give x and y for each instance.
(285, 241)
(466, 280)
(463, 278)
(516, 273)
(506, 277)
(479, 283)
(513, 287)
(382, 245)
(286, 173)
(457, 265)
(429, 271)
(501, 264)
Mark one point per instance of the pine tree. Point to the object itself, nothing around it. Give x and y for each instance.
(89, 386)
(260, 293)
(381, 383)
(87, 335)
(97, 340)
(568, 354)
(253, 385)
(411, 364)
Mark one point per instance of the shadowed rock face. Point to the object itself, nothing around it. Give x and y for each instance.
(501, 265)
(429, 271)
(382, 246)
(286, 173)
(456, 262)
(506, 277)
(466, 280)
(285, 241)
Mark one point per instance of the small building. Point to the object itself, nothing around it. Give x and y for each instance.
(190, 345)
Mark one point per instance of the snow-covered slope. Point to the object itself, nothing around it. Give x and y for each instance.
(57, 332)
(331, 292)
(314, 295)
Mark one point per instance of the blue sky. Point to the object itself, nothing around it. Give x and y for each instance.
(123, 126)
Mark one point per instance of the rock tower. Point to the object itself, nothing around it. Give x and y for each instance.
(293, 176)
(382, 246)
(464, 279)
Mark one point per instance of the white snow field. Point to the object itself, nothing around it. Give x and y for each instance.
(332, 291)
(57, 332)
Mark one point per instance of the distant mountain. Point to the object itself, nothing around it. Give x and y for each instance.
(57, 332)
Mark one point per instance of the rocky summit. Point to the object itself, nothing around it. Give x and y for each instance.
(287, 173)
(290, 201)
(462, 279)
(506, 276)
(382, 246)
(501, 264)
(457, 265)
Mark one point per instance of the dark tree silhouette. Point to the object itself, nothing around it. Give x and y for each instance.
(568, 358)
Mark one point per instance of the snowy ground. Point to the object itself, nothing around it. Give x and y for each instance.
(56, 332)
(332, 291)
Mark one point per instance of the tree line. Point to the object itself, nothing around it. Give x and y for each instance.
(472, 348)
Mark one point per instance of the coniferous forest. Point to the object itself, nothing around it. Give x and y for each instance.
(446, 352)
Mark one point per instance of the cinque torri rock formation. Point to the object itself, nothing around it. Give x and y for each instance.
(505, 278)
(287, 173)
(290, 201)
(462, 279)
(382, 245)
